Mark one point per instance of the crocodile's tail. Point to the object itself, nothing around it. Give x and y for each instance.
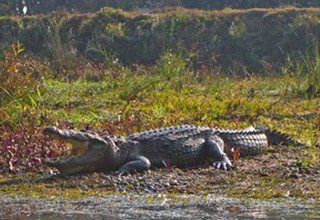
(278, 138)
(249, 141)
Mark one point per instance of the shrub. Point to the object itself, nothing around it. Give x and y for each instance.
(18, 79)
(304, 74)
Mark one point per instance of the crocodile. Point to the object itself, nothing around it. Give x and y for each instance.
(179, 146)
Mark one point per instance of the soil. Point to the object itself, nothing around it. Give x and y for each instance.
(279, 172)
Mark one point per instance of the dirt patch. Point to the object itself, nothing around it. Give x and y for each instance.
(279, 172)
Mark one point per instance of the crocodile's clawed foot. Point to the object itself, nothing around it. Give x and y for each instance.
(224, 164)
(119, 174)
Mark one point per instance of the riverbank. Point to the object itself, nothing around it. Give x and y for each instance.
(277, 173)
(121, 101)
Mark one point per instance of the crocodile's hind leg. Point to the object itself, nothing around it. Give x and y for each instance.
(215, 146)
(136, 164)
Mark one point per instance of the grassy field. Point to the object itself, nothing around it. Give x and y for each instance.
(120, 101)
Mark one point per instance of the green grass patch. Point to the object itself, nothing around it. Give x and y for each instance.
(120, 100)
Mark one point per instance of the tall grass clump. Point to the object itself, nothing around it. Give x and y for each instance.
(21, 85)
(17, 78)
(303, 74)
(170, 66)
(167, 72)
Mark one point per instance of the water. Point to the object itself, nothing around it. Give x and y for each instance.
(158, 207)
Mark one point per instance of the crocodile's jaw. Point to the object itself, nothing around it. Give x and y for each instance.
(95, 158)
(90, 152)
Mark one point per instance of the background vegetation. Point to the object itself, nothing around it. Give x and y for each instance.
(255, 40)
(11, 7)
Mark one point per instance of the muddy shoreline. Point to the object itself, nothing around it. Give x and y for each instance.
(158, 206)
(264, 185)
(279, 172)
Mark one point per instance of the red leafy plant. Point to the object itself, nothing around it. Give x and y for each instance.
(24, 149)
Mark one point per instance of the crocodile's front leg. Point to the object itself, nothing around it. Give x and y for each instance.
(215, 146)
(136, 164)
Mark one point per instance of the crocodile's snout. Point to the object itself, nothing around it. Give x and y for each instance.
(50, 130)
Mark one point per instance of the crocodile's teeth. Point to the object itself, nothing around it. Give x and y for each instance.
(59, 162)
(70, 160)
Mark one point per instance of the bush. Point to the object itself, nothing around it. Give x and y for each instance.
(4, 10)
(18, 79)
(304, 74)
(228, 39)
(45, 6)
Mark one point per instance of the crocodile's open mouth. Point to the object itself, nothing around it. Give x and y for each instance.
(85, 154)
